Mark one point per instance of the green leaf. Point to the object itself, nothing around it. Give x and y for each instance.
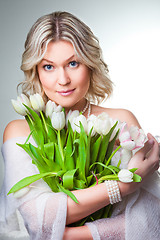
(83, 133)
(87, 164)
(133, 170)
(104, 144)
(63, 137)
(95, 149)
(28, 180)
(26, 147)
(68, 179)
(35, 117)
(69, 160)
(70, 194)
(136, 178)
(109, 159)
(58, 157)
(49, 150)
(111, 146)
(36, 125)
(70, 130)
(52, 134)
(89, 179)
(37, 156)
(79, 184)
(82, 157)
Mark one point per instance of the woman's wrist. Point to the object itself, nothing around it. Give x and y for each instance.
(128, 188)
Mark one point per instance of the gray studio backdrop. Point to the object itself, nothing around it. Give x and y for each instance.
(129, 33)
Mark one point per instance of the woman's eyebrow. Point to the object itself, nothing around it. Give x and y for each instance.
(68, 59)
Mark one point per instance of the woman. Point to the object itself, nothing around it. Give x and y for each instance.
(63, 62)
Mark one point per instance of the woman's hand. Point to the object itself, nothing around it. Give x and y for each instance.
(147, 162)
(146, 159)
(77, 233)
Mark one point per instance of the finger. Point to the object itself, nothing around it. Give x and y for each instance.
(146, 149)
(154, 153)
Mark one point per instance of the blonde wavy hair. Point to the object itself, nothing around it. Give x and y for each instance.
(65, 26)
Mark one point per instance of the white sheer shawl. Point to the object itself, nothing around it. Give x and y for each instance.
(137, 217)
(44, 212)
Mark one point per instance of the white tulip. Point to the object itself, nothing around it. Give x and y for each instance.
(90, 122)
(75, 124)
(126, 156)
(125, 176)
(71, 115)
(134, 132)
(102, 124)
(52, 107)
(138, 136)
(118, 126)
(37, 102)
(20, 193)
(115, 159)
(58, 120)
(132, 138)
(49, 108)
(18, 104)
(125, 136)
(128, 145)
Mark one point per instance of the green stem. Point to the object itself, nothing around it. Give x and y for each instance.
(119, 163)
(109, 159)
(60, 145)
(44, 122)
(109, 177)
(30, 119)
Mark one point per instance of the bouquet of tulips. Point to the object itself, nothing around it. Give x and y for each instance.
(73, 152)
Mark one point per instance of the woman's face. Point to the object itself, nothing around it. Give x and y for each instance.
(64, 79)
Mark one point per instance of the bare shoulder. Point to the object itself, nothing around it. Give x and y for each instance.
(16, 128)
(123, 115)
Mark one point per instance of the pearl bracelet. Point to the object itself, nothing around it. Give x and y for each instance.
(113, 191)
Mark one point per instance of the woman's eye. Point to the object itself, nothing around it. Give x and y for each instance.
(48, 67)
(73, 64)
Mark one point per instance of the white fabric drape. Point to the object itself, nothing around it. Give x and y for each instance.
(137, 217)
(43, 212)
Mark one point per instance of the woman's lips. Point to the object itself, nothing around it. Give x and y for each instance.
(66, 93)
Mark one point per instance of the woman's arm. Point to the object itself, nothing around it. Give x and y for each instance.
(147, 161)
(77, 233)
(94, 198)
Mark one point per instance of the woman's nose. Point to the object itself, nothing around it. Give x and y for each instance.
(63, 77)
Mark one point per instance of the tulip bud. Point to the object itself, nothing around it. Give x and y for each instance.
(75, 124)
(102, 124)
(128, 145)
(58, 120)
(37, 102)
(90, 121)
(125, 136)
(52, 107)
(18, 104)
(126, 156)
(49, 108)
(125, 176)
(71, 115)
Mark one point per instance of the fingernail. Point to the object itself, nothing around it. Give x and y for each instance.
(151, 141)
